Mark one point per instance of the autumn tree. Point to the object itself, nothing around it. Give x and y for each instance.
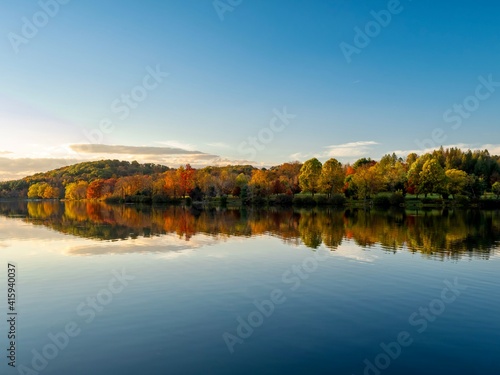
(172, 183)
(414, 183)
(332, 177)
(475, 186)
(241, 180)
(108, 188)
(495, 189)
(367, 181)
(76, 190)
(241, 183)
(411, 158)
(393, 172)
(226, 182)
(363, 162)
(130, 186)
(37, 190)
(159, 185)
(259, 184)
(204, 179)
(185, 176)
(94, 190)
(432, 177)
(288, 174)
(309, 178)
(455, 181)
(278, 187)
(348, 188)
(51, 192)
(43, 190)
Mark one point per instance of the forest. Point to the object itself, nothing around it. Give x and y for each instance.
(445, 174)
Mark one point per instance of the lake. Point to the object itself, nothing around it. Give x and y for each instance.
(138, 290)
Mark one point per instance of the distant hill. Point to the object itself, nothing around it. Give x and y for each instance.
(86, 171)
(93, 170)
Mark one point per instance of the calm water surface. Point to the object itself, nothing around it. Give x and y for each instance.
(335, 288)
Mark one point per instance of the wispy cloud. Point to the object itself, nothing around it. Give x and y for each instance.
(219, 145)
(131, 150)
(299, 156)
(177, 144)
(351, 149)
(347, 151)
(13, 169)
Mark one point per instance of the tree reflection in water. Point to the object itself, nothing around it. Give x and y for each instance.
(437, 233)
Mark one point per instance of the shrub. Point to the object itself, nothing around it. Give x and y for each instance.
(337, 200)
(381, 201)
(304, 201)
(196, 194)
(244, 196)
(309, 201)
(396, 199)
(461, 200)
(223, 201)
(297, 201)
(114, 200)
(284, 200)
(138, 199)
(160, 199)
(432, 200)
(321, 200)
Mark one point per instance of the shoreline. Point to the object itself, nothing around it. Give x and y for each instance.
(295, 202)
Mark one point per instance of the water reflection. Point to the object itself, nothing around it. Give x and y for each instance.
(438, 234)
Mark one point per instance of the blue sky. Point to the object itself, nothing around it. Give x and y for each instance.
(230, 72)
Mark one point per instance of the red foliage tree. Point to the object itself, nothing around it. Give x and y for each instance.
(94, 191)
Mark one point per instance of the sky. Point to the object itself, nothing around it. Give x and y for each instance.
(244, 81)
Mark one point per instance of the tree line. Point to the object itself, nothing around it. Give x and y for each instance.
(450, 173)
